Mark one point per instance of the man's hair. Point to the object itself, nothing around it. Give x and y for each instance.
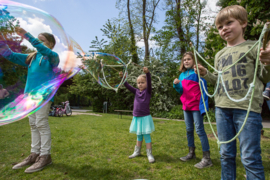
(235, 11)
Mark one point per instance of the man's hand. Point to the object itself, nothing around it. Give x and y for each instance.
(176, 81)
(202, 70)
(145, 70)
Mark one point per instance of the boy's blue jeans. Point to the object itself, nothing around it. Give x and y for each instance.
(229, 121)
(191, 118)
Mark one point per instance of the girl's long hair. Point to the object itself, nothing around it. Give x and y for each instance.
(182, 67)
(32, 55)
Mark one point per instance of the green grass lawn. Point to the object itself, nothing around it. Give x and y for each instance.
(91, 147)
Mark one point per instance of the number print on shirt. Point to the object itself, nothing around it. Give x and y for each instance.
(235, 79)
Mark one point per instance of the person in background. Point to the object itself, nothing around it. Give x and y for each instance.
(3, 95)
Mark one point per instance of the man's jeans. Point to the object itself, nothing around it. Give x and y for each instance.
(229, 122)
(40, 131)
(191, 118)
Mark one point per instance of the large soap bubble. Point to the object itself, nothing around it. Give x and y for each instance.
(105, 68)
(24, 99)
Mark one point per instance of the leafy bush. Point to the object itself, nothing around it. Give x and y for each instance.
(175, 113)
(211, 115)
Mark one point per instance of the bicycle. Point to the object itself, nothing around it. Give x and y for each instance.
(55, 111)
(67, 110)
(59, 111)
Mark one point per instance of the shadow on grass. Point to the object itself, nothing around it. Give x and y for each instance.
(166, 158)
(89, 172)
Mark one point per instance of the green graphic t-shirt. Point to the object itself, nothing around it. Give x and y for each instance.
(238, 78)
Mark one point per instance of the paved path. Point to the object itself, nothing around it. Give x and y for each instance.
(90, 114)
(80, 110)
(266, 124)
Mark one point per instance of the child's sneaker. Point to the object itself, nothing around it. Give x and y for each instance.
(266, 94)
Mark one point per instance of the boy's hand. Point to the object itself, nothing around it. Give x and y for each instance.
(20, 31)
(145, 70)
(202, 70)
(176, 81)
(265, 55)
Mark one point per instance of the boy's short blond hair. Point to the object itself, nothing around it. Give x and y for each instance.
(235, 11)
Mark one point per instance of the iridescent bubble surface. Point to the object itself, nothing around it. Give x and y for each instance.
(14, 76)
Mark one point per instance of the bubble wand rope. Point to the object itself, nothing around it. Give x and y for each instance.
(137, 65)
(251, 85)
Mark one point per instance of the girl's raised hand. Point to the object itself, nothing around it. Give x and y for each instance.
(145, 70)
(20, 31)
(176, 81)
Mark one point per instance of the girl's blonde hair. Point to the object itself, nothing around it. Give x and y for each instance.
(142, 76)
(235, 11)
(50, 38)
(182, 67)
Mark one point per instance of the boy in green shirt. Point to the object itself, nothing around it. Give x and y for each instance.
(231, 23)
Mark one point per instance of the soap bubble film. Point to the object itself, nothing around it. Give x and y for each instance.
(28, 86)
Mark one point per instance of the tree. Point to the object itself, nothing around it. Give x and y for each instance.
(125, 7)
(133, 48)
(148, 15)
(183, 24)
(14, 76)
(141, 17)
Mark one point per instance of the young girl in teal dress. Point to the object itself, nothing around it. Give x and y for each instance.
(142, 122)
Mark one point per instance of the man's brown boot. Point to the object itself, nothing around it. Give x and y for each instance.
(31, 159)
(40, 163)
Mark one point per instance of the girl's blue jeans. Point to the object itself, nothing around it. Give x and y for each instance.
(191, 118)
(229, 121)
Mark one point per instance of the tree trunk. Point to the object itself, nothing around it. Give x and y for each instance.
(178, 23)
(145, 37)
(133, 48)
(198, 25)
